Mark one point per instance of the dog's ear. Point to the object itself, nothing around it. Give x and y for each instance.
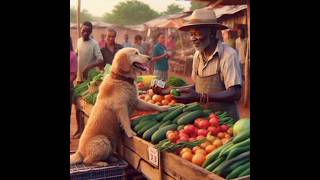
(123, 63)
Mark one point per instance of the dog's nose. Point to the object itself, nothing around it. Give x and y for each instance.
(149, 58)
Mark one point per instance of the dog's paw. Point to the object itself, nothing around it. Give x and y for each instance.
(131, 133)
(163, 108)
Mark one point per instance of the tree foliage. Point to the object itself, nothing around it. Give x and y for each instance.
(196, 5)
(130, 13)
(172, 9)
(84, 15)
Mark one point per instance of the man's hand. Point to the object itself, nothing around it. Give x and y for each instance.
(188, 95)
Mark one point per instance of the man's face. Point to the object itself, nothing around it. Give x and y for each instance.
(85, 32)
(111, 37)
(162, 39)
(200, 38)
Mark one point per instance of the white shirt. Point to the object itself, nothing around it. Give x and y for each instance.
(88, 52)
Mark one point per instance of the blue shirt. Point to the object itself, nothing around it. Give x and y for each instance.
(161, 64)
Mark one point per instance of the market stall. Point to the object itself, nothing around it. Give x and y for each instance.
(185, 142)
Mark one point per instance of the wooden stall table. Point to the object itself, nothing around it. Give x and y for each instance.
(145, 158)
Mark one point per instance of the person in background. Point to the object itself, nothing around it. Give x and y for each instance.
(111, 47)
(241, 46)
(227, 39)
(146, 46)
(137, 44)
(89, 56)
(171, 45)
(126, 41)
(73, 72)
(160, 57)
(102, 42)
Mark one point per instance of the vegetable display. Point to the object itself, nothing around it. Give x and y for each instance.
(175, 81)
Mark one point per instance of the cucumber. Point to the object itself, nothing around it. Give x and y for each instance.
(241, 137)
(165, 124)
(241, 144)
(235, 152)
(225, 148)
(214, 155)
(143, 124)
(180, 127)
(227, 169)
(160, 134)
(182, 114)
(190, 117)
(144, 118)
(172, 108)
(237, 171)
(161, 115)
(147, 135)
(219, 169)
(245, 172)
(173, 114)
(193, 107)
(215, 164)
(146, 127)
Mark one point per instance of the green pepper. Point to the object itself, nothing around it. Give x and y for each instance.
(174, 92)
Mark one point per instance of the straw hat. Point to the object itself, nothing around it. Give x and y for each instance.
(202, 17)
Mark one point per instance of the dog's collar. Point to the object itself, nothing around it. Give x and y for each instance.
(122, 78)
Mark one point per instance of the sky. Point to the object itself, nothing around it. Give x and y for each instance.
(99, 7)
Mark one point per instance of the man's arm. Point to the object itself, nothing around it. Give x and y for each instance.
(157, 58)
(231, 94)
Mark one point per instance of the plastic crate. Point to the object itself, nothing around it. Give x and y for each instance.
(115, 171)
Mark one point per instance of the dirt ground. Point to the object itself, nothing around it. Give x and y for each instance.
(244, 112)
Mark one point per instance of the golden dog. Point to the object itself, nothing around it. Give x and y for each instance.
(116, 101)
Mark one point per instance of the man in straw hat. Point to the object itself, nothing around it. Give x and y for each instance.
(216, 70)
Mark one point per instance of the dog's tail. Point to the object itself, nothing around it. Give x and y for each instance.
(76, 158)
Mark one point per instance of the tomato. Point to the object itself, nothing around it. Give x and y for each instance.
(197, 121)
(173, 102)
(194, 134)
(211, 129)
(183, 139)
(201, 151)
(230, 131)
(187, 155)
(164, 102)
(192, 139)
(185, 150)
(205, 144)
(200, 137)
(218, 128)
(169, 132)
(189, 129)
(157, 98)
(172, 137)
(194, 149)
(183, 134)
(224, 128)
(151, 101)
(214, 121)
(158, 103)
(168, 97)
(203, 132)
(210, 148)
(142, 96)
(220, 135)
(198, 159)
(204, 124)
(147, 97)
(212, 115)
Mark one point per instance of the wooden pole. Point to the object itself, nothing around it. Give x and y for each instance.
(78, 17)
(246, 63)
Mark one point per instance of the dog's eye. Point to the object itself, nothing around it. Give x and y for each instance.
(136, 53)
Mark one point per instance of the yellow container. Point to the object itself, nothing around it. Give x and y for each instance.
(147, 80)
